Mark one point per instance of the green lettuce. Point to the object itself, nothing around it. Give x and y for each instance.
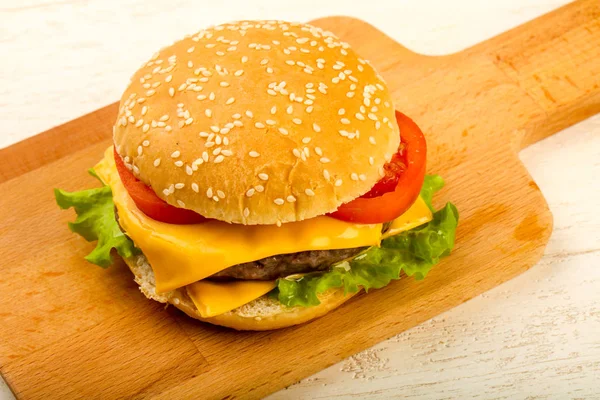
(415, 252)
(96, 221)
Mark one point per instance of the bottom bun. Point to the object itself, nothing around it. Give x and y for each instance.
(264, 313)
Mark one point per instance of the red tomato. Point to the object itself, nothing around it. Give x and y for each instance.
(152, 205)
(399, 188)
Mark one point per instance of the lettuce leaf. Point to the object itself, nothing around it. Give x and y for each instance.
(415, 252)
(96, 221)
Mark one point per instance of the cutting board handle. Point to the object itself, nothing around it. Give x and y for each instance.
(555, 59)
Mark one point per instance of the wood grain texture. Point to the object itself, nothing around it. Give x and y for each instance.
(490, 238)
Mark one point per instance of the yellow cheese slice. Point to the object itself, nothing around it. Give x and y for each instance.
(183, 254)
(418, 214)
(214, 298)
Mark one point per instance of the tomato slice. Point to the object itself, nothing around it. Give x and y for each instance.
(152, 205)
(399, 188)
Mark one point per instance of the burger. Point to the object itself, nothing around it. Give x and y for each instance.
(260, 177)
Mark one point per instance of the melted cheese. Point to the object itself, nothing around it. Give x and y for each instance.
(418, 214)
(183, 254)
(214, 298)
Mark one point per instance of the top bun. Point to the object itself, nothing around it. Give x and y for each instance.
(257, 122)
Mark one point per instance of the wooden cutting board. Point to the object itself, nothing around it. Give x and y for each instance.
(73, 330)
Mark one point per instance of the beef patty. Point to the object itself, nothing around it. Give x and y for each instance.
(282, 265)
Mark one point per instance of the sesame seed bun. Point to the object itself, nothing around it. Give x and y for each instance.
(261, 314)
(257, 122)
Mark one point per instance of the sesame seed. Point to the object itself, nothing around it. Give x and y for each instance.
(175, 154)
(230, 100)
(211, 96)
(350, 94)
(309, 109)
(246, 212)
(372, 140)
(283, 131)
(290, 109)
(171, 188)
(324, 160)
(279, 201)
(140, 150)
(262, 176)
(171, 92)
(224, 84)
(290, 199)
(168, 128)
(191, 49)
(269, 70)
(259, 125)
(318, 151)
(189, 121)
(371, 161)
(341, 111)
(338, 182)
(359, 116)
(345, 121)
(316, 128)
(362, 177)
(290, 62)
(250, 192)
(272, 92)
(146, 143)
(309, 192)
(249, 114)
(179, 185)
(236, 116)
(164, 118)
(166, 192)
(224, 131)
(326, 174)
(244, 59)
(215, 198)
(259, 188)
(220, 194)
(145, 128)
(297, 153)
(144, 110)
(150, 92)
(254, 154)
(377, 125)
(270, 122)
(306, 140)
(157, 162)
(297, 121)
(139, 123)
(273, 109)
(205, 156)
(354, 176)
(216, 151)
(209, 192)
(179, 163)
(219, 159)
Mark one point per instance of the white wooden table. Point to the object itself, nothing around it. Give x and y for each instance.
(537, 336)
